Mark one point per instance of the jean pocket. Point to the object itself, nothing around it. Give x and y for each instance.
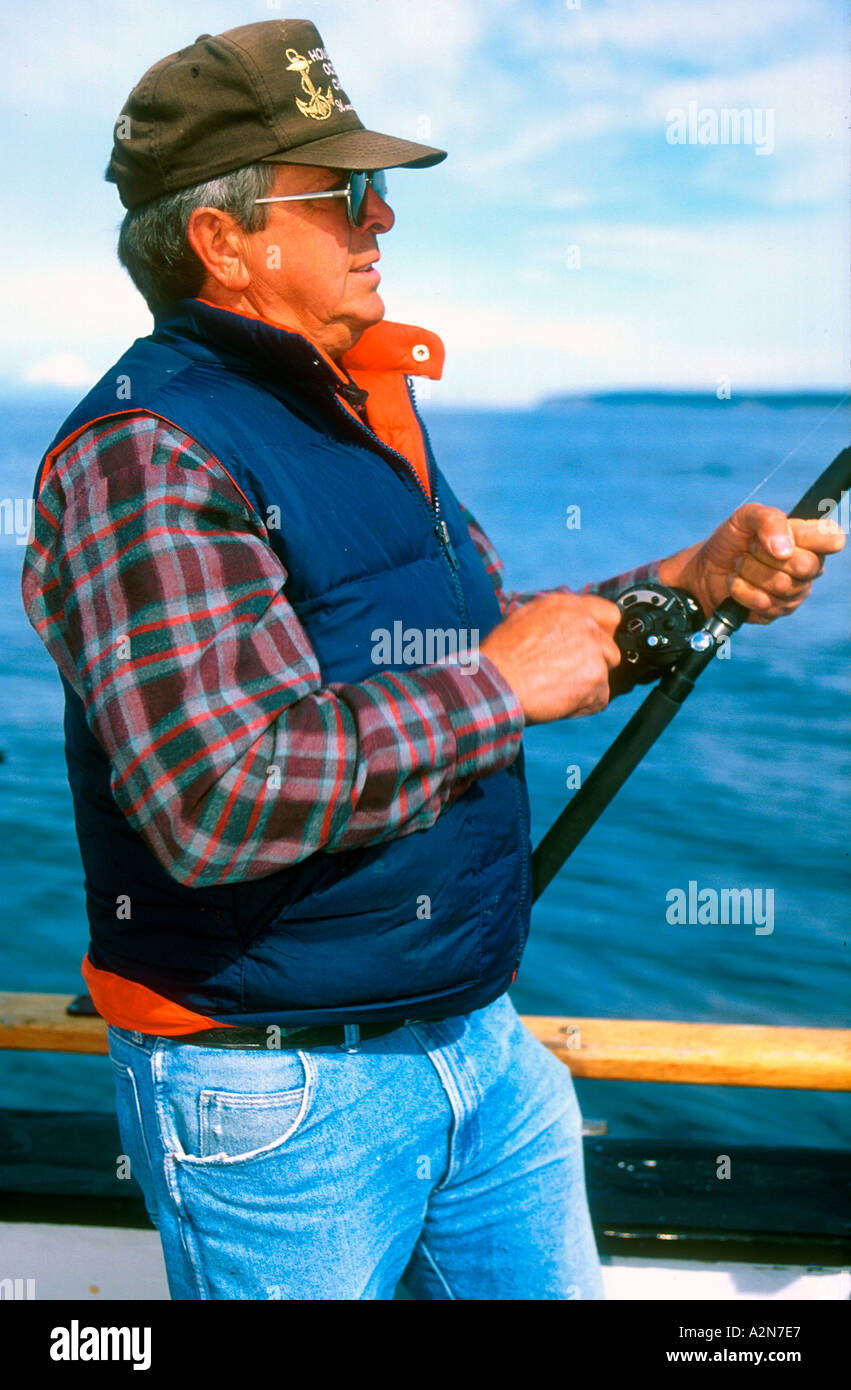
(244, 1126)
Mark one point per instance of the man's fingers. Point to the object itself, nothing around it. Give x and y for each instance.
(769, 526)
(611, 653)
(824, 537)
(764, 606)
(778, 535)
(793, 579)
(811, 545)
(801, 564)
(771, 585)
(605, 613)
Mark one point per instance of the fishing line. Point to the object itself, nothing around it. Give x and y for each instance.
(795, 448)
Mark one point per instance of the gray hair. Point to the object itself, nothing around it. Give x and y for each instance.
(153, 246)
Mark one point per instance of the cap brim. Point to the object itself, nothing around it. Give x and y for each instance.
(360, 149)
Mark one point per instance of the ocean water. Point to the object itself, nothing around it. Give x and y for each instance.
(748, 788)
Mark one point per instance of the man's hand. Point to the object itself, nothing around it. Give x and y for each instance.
(760, 557)
(556, 653)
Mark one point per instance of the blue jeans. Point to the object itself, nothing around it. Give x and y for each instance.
(446, 1156)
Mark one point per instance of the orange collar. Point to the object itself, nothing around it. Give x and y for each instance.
(397, 347)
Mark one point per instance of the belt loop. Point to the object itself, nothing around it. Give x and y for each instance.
(351, 1036)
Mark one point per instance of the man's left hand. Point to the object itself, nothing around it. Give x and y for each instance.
(759, 556)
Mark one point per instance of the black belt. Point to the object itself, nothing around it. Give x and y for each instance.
(268, 1039)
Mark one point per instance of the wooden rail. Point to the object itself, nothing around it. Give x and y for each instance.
(720, 1054)
(717, 1054)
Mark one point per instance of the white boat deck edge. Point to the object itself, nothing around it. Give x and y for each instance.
(50, 1262)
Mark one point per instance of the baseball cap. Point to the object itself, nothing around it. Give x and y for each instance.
(262, 93)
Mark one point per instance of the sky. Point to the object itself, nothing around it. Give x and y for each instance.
(580, 236)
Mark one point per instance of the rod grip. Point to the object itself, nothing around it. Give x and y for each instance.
(828, 487)
(835, 480)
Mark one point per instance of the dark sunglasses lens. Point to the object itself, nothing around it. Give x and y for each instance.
(357, 189)
(359, 185)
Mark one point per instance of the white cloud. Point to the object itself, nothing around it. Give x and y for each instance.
(572, 104)
(67, 317)
(709, 34)
(473, 326)
(535, 140)
(809, 96)
(63, 369)
(93, 54)
(652, 305)
(568, 199)
(780, 251)
(387, 52)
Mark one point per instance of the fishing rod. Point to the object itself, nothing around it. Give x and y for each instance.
(661, 629)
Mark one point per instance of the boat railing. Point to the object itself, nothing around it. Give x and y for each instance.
(610, 1049)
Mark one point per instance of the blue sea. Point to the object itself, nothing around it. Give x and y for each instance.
(748, 788)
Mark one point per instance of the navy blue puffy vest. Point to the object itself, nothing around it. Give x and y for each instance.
(335, 938)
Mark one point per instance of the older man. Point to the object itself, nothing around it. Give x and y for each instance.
(307, 862)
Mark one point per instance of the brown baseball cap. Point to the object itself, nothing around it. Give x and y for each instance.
(263, 93)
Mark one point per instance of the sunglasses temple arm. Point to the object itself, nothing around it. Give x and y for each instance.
(304, 197)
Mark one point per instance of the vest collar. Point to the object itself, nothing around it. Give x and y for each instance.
(385, 347)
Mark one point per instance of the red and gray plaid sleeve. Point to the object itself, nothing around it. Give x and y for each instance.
(154, 588)
(510, 601)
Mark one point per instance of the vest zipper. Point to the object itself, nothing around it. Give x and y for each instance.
(440, 527)
(432, 505)
(442, 532)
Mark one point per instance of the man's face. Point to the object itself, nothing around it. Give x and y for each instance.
(310, 269)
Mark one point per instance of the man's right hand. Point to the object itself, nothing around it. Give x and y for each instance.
(556, 653)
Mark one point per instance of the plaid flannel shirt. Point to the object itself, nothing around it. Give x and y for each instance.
(156, 592)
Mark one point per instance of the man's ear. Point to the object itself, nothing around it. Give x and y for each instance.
(219, 243)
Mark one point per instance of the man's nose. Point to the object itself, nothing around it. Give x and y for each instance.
(379, 216)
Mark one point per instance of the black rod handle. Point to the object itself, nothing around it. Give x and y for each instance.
(835, 480)
(652, 717)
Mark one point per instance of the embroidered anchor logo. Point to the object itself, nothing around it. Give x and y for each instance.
(321, 104)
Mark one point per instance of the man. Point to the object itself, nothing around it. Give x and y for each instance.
(307, 863)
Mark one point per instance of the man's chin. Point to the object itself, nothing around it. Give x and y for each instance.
(371, 311)
(365, 316)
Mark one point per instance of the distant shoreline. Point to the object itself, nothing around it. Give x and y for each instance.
(62, 400)
(777, 399)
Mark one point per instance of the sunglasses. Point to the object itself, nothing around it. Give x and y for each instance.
(354, 194)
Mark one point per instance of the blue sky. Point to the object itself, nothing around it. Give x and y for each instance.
(690, 263)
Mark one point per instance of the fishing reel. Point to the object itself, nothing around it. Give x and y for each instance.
(655, 629)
